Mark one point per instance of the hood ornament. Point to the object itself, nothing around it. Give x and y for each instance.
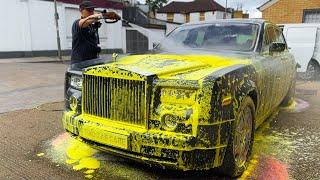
(114, 57)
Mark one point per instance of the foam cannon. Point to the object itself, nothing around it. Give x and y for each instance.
(108, 21)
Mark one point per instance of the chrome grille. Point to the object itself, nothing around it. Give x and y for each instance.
(115, 99)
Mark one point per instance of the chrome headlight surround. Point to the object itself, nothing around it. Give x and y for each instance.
(175, 109)
(169, 122)
(73, 103)
(73, 100)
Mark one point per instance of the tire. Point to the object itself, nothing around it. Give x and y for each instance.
(234, 162)
(289, 98)
(313, 70)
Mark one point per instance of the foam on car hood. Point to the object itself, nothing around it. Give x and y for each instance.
(188, 67)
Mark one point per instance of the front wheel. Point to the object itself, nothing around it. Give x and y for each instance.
(240, 141)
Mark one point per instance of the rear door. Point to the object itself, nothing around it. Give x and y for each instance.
(286, 68)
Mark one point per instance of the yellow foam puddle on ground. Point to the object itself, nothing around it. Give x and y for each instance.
(40, 154)
(87, 163)
(67, 150)
(89, 176)
(291, 106)
(250, 168)
(78, 150)
(71, 161)
(89, 171)
(80, 156)
(298, 105)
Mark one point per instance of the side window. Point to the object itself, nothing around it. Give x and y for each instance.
(270, 36)
(281, 27)
(194, 37)
(181, 35)
(279, 36)
(200, 38)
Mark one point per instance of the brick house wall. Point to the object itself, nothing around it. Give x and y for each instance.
(289, 11)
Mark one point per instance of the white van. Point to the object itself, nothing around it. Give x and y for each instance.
(304, 43)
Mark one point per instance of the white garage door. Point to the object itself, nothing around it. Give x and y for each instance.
(311, 16)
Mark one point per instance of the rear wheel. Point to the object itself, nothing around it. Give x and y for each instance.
(241, 141)
(313, 70)
(289, 98)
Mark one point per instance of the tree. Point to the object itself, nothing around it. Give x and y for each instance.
(155, 4)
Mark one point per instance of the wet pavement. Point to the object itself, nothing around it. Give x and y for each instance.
(26, 83)
(29, 82)
(34, 145)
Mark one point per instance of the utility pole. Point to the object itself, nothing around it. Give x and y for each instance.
(56, 18)
(225, 11)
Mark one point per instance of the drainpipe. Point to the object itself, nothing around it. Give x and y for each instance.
(225, 10)
(56, 18)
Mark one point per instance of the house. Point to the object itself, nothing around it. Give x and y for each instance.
(194, 11)
(31, 30)
(291, 11)
(240, 14)
(141, 31)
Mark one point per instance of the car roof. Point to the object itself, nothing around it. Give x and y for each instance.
(258, 21)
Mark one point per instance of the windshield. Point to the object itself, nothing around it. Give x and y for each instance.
(218, 36)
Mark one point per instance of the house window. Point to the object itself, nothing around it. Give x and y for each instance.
(170, 17)
(202, 18)
(311, 16)
(187, 18)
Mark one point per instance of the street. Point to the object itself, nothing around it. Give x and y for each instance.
(33, 144)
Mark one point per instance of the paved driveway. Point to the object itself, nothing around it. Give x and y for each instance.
(27, 83)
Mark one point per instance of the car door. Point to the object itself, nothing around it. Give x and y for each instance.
(268, 75)
(286, 68)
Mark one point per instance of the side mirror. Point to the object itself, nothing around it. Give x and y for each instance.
(277, 47)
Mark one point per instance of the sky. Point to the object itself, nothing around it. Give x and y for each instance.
(247, 5)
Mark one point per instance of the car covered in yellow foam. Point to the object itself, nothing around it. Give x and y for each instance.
(192, 103)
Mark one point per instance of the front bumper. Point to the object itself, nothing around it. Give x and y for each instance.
(167, 150)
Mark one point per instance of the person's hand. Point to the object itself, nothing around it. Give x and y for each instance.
(111, 15)
(96, 16)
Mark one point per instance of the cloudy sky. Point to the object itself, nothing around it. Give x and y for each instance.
(247, 5)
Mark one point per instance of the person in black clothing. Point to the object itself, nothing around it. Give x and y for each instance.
(85, 37)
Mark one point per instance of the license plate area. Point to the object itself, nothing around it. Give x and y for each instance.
(105, 137)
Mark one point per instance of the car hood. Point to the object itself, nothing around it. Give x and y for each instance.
(188, 67)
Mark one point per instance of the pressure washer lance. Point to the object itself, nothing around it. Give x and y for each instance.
(115, 20)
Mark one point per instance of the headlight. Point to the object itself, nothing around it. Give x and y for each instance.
(76, 82)
(170, 122)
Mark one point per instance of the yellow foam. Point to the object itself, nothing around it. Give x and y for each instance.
(87, 163)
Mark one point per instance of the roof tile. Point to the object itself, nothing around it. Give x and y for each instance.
(193, 6)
